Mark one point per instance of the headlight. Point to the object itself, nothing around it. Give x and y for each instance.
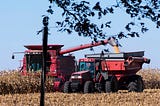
(79, 77)
(72, 77)
(76, 77)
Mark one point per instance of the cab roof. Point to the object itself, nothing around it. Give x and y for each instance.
(39, 47)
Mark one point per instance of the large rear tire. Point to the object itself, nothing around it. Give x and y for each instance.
(111, 85)
(114, 84)
(67, 87)
(136, 85)
(88, 87)
(108, 87)
(132, 87)
(140, 84)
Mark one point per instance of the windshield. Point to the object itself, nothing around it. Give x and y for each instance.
(34, 62)
(84, 66)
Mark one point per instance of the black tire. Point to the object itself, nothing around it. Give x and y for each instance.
(137, 85)
(108, 88)
(140, 84)
(132, 87)
(114, 84)
(111, 85)
(67, 87)
(88, 87)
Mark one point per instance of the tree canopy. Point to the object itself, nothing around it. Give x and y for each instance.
(77, 16)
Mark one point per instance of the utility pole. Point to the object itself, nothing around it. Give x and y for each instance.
(44, 56)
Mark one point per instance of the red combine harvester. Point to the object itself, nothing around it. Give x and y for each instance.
(108, 72)
(59, 67)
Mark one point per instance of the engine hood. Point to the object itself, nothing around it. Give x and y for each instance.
(80, 72)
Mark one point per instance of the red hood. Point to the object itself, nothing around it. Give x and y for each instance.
(80, 72)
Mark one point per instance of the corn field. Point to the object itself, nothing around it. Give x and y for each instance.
(151, 78)
(17, 90)
(12, 82)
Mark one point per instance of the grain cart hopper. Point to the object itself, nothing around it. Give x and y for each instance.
(108, 72)
(59, 66)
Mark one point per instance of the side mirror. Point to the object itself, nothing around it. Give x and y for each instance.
(15, 53)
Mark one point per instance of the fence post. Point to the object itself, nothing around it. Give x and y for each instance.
(44, 56)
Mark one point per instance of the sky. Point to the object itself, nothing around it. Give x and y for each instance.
(20, 20)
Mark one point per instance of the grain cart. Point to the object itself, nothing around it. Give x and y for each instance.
(59, 66)
(108, 72)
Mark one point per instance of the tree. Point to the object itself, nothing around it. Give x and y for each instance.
(78, 14)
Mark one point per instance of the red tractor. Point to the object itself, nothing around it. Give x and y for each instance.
(59, 66)
(108, 72)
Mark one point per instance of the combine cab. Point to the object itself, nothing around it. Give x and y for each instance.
(59, 67)
(108, 72)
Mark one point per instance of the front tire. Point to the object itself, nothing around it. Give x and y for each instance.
(67, 87)
(88, 87)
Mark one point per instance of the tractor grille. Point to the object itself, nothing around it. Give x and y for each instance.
(76, 81)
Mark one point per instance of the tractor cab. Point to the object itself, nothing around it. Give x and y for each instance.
(87, 66)
(92, 65)
(86, 69)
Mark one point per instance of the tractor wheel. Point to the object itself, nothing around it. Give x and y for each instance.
(136, 85)
(108, 88)
(88, 87)
(67, 87)
(111, 85)
(140, 85)
(114, 84)
(132, 87)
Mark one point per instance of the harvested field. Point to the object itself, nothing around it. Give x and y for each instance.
(150, 97)
(17, 90)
